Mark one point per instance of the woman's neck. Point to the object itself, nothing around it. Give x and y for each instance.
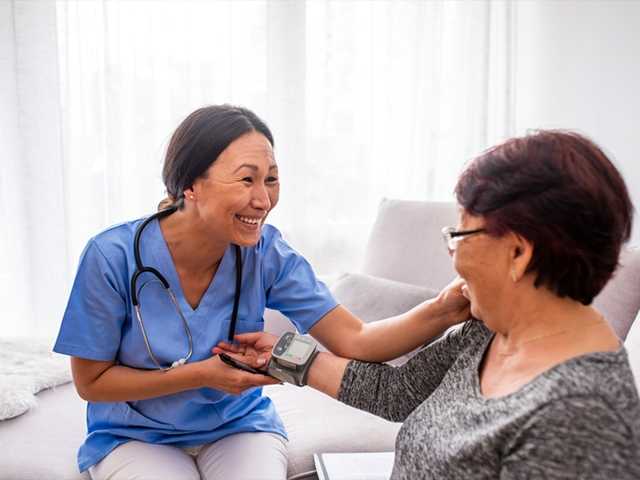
(541, 318)
(193, 248)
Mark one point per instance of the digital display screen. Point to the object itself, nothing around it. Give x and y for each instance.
(297, 349)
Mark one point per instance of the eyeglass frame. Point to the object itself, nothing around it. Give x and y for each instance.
(450, 234)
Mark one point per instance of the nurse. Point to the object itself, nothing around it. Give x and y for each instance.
(160, 404)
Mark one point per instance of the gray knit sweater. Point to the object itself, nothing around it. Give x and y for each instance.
(580, 419)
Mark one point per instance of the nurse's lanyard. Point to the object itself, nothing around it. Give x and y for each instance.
(140, 269)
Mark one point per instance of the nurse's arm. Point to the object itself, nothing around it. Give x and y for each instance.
(98, 381)
(347, 336)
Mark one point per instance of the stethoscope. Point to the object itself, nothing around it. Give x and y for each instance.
(141, 268)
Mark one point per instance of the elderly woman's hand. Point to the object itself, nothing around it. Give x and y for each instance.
(453, 302)
(253, 348)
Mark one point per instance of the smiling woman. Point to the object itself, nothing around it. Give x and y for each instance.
(124, 326)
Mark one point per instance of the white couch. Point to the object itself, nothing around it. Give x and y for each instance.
(404, 254)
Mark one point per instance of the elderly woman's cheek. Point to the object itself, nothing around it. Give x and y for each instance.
(461, 266)
(470, 271)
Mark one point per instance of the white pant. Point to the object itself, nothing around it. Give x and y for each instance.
(243, 456)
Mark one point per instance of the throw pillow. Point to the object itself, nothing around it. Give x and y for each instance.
(374, 298)
(27, 366)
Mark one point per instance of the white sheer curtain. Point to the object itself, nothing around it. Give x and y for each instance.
(365, 99)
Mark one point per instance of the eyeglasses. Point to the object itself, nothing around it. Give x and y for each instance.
(452, 237)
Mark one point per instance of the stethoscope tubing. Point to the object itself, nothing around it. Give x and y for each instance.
(141, 268)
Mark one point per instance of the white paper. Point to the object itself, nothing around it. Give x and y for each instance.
(354, 466)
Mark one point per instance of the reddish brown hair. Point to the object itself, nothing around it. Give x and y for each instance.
(558, 190)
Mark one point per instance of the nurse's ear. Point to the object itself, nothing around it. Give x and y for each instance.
(189, 194)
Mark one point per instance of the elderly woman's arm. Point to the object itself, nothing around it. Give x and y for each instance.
(574, 437)
(388, 392)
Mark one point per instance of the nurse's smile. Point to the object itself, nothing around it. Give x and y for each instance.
(249, 226)
(250, 221)
(237, 192)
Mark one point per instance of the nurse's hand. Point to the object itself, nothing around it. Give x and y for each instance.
(453, 302)
(251, 348)
(216, 374)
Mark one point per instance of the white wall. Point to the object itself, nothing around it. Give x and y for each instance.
(577, 66)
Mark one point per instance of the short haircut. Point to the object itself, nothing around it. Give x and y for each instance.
(558, 190)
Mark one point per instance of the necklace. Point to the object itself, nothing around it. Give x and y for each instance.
(531, 340)
(593, 323)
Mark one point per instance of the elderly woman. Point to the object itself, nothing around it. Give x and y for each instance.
(152, 297)
(536, 385)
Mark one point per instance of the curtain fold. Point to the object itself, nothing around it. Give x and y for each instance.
(35, 240)
(365, 99)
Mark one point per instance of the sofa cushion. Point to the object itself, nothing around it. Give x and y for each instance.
(369, 298)
(632, 344)
(373, 298)
(619, 301)
(405, 243)
(43, 443)
(318, 423)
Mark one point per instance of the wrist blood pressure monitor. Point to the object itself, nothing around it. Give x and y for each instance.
(291, 358)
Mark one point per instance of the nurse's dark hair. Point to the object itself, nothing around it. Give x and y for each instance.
(558, 190)
(197, 143)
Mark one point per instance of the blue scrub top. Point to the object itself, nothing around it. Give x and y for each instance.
(100, 324)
